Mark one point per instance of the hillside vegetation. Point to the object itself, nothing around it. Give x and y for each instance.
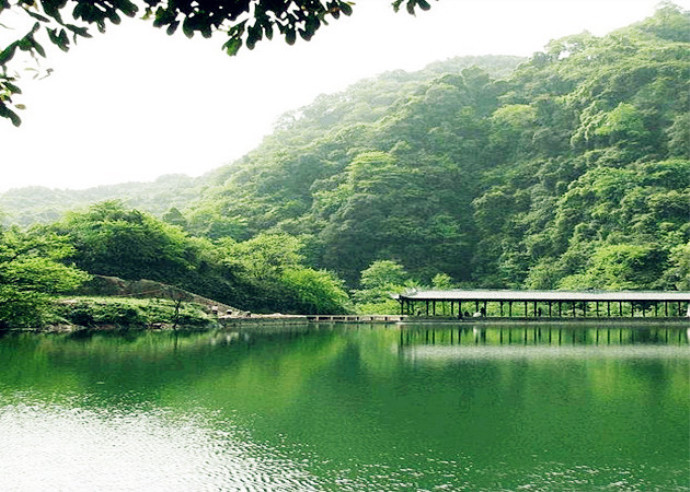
(570, 170)
(571, 173)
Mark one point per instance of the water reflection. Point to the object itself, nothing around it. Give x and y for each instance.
(541, 335)
(338, 407)
(52, 447)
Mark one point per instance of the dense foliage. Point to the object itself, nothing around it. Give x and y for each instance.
(31, 271)
(265, 273)
(571, 171)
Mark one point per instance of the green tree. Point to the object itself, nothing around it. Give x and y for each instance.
(266, 256)
(678, 274)
(316, 291)
(175, 217)
(31, 272)
(679, 136)
(379, 281)
(620, 267)
(109, 239)
(442, 281)
(383, 273)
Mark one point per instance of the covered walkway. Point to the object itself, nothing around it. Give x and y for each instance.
(536, 304)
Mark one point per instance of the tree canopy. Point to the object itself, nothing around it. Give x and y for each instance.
(576, 160)
(242, 22)
(31, 270)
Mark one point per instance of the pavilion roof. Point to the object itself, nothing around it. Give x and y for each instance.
(544, 295)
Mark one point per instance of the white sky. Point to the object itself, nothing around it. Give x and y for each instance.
(134, 103)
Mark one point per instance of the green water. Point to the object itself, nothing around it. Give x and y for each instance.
(348, 408)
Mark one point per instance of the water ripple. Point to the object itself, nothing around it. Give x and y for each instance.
(53, 447)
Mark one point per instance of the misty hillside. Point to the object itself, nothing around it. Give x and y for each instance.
(30, 205)
(572, 172)
(38, 204)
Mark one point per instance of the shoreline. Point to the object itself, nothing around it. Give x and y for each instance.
(396, 320)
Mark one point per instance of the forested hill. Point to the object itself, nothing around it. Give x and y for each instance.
(42, 205)
(572, 172)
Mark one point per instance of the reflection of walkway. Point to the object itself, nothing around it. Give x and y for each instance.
(545, 304)
(542, 335)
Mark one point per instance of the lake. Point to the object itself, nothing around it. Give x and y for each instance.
(348, 407)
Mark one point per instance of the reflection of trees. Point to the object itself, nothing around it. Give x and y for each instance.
(145, 363)
(348, 397)
(539, 334)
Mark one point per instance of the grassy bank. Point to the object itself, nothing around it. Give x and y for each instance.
(86, 312)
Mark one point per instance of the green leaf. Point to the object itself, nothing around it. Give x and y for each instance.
(237, 29)
(305, 35)
(128, 8)
(13, 88)
(232, 46)
(290, 36)
(268, 30)
(37, 16)
(163, 17)
(6, 112)
(78, 31)
(114, 18)
(187, 28)
(7, 54)
(423, 4)
(64, 40)
(172, 28)
(254, 34)
(59, 39)
(36, 46)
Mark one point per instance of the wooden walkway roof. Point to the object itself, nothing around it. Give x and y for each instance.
(543, 296)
